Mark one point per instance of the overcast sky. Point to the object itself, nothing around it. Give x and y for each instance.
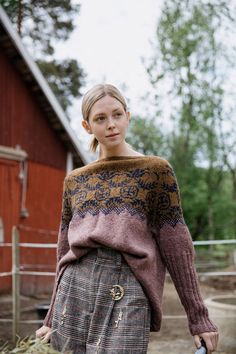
(110, 39)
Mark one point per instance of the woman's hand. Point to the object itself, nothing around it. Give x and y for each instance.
(44, 333)
(210, 338)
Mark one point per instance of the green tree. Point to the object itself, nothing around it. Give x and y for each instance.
(228, 146)
(41, 24)
(186, 63)
(65, 78)
(145, 136)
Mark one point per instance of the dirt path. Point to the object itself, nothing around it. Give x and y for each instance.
(174, 336)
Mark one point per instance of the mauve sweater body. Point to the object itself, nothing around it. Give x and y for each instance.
(132, 205)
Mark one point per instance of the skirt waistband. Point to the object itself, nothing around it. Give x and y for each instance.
(103, 255)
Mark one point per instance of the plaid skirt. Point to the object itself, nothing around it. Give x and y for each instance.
(100, 307)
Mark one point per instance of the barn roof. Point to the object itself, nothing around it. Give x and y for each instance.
(12, 44)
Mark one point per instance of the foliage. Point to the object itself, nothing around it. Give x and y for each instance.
(186, 73)
(43, 21)
(30, 346)
(144, 136)
(41, 25)
(63, 76)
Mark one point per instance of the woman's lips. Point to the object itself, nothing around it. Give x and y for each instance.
(112, 135)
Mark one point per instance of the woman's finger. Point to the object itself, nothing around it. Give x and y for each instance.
(215, 339)
(46, 338)
(211, 340)
(197, 341)
(42, 331)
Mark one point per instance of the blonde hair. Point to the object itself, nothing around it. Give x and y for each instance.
(92, 96)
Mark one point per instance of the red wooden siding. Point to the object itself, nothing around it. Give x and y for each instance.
(9, 212)
(43, 201)
(23, 122)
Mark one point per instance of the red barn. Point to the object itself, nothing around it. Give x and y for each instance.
(37, 149)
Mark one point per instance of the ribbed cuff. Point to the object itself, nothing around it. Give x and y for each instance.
(183, 274)
(178, 253)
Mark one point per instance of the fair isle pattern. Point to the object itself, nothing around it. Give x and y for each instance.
(145, 192)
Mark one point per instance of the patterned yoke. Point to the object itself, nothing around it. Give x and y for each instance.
(100, 307)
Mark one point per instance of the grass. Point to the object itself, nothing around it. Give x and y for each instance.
(30, 346)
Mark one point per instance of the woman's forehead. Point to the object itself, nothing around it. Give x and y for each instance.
(106, 103)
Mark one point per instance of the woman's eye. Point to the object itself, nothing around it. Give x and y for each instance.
(100, 119)
(118, 114)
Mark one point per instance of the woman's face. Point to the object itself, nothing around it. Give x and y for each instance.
(108, 121)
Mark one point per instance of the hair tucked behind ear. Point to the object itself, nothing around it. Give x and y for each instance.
(92, 96)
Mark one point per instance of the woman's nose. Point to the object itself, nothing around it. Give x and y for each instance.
(110, 122)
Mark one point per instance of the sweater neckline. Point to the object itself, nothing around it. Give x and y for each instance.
(111, 158)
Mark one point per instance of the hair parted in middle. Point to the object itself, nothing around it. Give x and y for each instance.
(92, 96)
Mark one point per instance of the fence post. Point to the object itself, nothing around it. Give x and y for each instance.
(15, 284)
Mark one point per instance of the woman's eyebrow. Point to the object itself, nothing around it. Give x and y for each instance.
(99, 114)
(102, 114)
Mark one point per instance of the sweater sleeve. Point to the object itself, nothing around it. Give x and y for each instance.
(177, 250)
(62, 246)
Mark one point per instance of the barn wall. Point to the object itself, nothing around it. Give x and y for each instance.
(9, 212)
(22, 122)
(43, 202)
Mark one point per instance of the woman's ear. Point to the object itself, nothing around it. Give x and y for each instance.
(86, 126)
(128, 115)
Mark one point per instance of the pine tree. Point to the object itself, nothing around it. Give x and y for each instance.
(41, 24)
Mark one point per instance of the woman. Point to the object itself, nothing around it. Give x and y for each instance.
(122, 226)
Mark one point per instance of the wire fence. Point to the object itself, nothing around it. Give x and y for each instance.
(16, 273)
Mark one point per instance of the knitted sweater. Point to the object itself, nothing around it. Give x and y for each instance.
(132, 205)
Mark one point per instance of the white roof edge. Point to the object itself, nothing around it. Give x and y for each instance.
(43, 84)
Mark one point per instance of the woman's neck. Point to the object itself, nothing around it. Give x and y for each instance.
(125, 150)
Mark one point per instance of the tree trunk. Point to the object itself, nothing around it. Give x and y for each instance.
(19, 19)
(234, 198)
(211, 234)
